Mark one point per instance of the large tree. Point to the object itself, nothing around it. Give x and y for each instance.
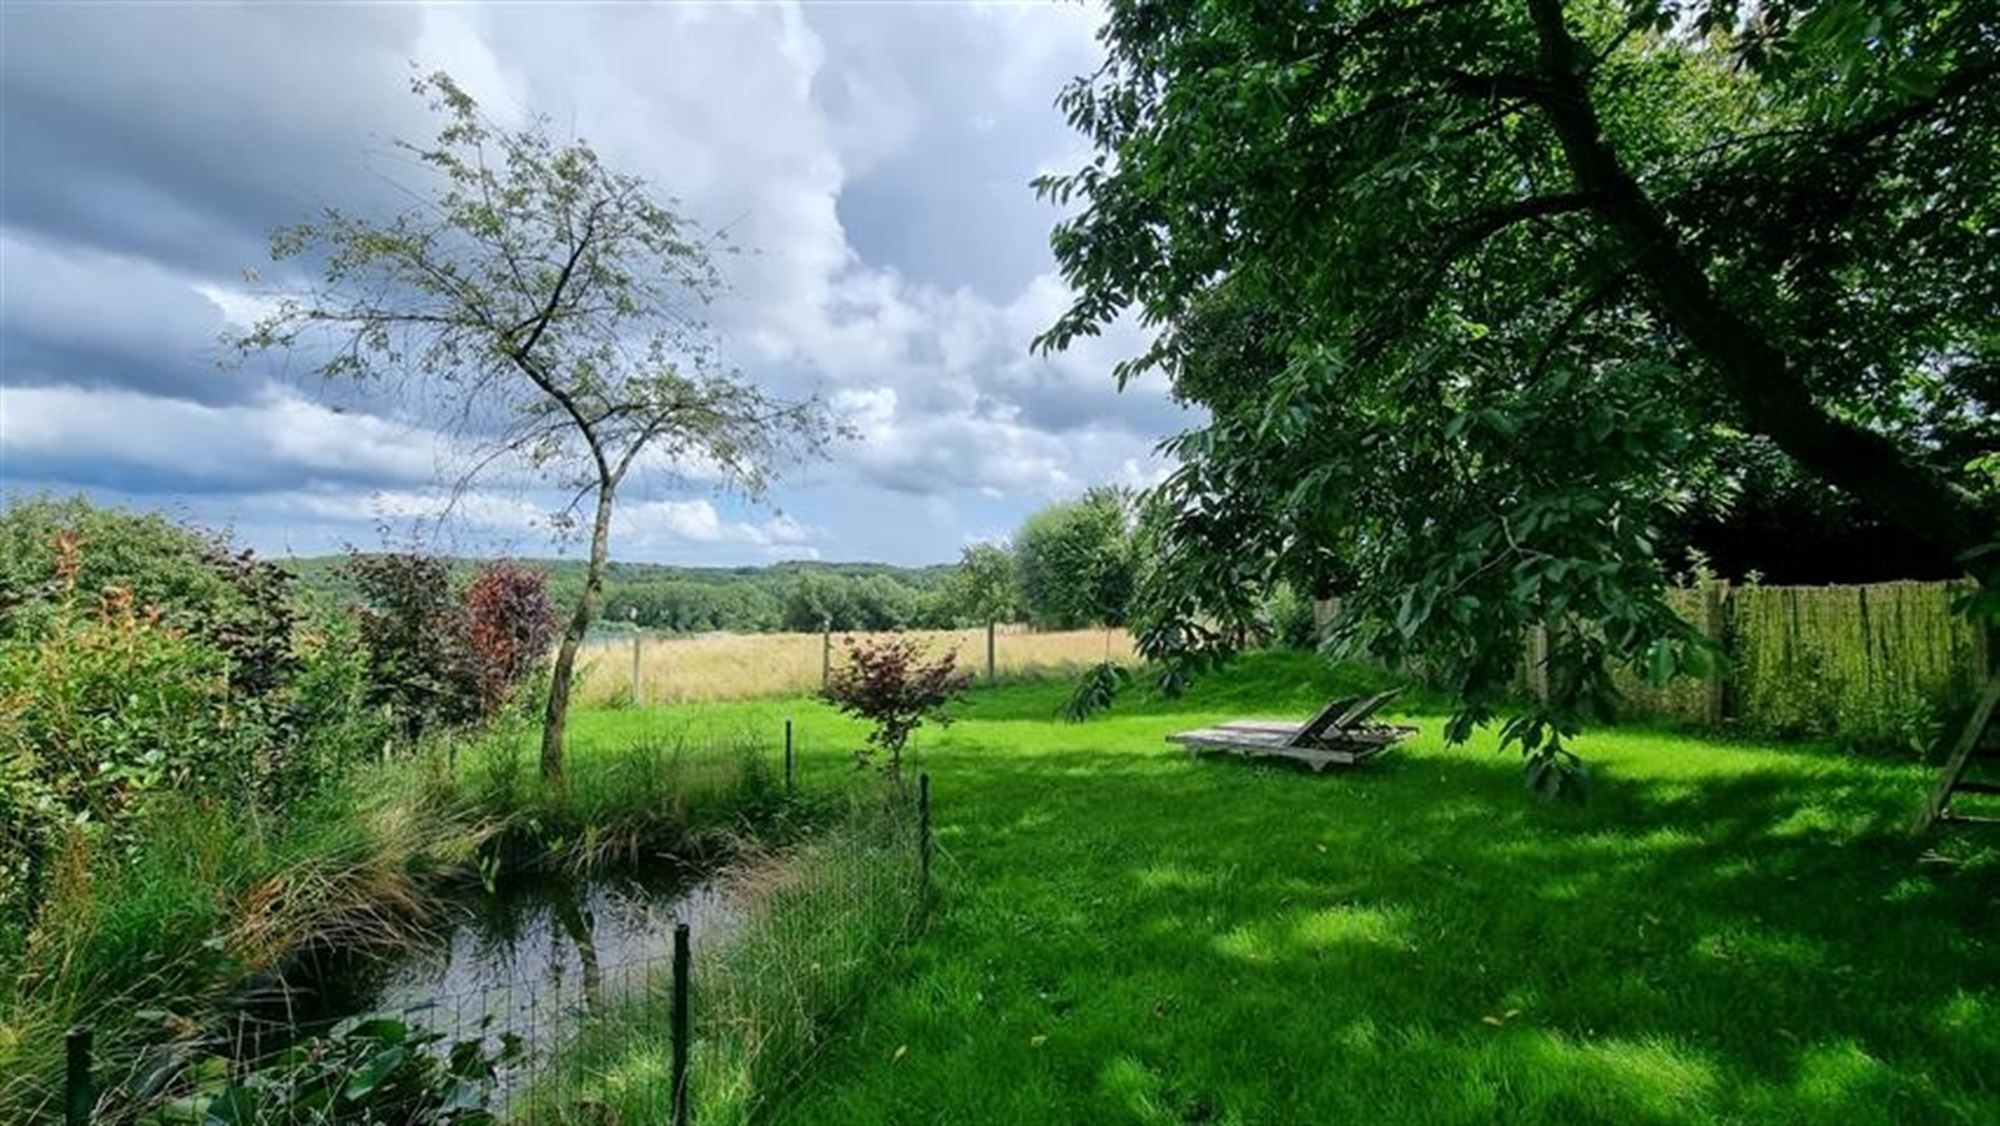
(551, 308)
(1074, 561)
(1474, 290)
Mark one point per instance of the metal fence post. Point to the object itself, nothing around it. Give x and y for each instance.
(79, 1095)
(788, 754)
(682, 1109)
(924, 836)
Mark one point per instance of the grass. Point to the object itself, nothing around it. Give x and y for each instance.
(744, 666)
(819, 922)
(1724, 932)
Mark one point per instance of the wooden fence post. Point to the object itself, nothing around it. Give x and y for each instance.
(637, 698)
(1715, 624)
(990, 676)
(825, 652)
(682, 1109)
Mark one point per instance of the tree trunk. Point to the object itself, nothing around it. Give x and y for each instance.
(1763, 380)
(556, 717)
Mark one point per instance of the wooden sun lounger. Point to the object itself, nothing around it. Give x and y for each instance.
(1338, 735)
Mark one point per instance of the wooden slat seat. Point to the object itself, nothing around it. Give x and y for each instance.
(1337, 735)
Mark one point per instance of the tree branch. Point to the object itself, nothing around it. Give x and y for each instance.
(1755, 371)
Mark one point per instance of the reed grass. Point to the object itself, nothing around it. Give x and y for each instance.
(745, 666)
(144, 943)
(147, 945)
(820, 921)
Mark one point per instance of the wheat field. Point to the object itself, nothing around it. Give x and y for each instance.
(676, 670)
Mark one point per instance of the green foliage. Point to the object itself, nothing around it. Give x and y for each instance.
(1288, 619)
(985, 587)
(889, 684)
(1075, 561)
(1474, 293)
(360, 1071)
(160, 563)
(1096, 690)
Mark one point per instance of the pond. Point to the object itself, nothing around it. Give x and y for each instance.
(531, 957)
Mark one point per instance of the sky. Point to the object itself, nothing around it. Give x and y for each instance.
(872, 161)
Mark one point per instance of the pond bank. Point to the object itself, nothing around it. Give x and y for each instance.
(155, 945)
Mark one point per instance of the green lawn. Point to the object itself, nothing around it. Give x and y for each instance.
(1721, 933)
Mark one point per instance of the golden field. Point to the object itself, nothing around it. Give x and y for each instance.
(739, 666)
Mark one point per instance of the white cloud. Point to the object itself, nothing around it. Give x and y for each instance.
(769, 119)
(280, 436)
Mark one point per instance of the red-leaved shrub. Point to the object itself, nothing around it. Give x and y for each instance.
(509, 626)
(889, 684)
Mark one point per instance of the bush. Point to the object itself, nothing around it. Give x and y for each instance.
(412, 629)
(1289, 620)
(1075, 562)
(104, 706)
(159, 563)
(439, 659)
(509, 624)
(890, 685)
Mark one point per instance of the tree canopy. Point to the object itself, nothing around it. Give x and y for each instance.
(986, 586)
(1074, 561)
(1474, 291)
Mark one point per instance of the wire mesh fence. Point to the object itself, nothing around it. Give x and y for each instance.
(706, 1030)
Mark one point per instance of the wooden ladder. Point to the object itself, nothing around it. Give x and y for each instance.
(1970, 746)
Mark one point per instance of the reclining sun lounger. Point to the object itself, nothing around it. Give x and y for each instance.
(1339, 735)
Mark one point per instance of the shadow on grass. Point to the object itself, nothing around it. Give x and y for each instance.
(1135, 938)
(1259, 683)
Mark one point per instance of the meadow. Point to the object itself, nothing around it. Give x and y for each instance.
(730, 666)
(1723, 932)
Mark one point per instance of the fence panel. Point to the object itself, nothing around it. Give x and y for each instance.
(1876, 664)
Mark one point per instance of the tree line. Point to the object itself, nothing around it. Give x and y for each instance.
(1070, 565)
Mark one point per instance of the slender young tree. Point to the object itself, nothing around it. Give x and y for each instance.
(986, 588)
(1474, 290)
(552, 307)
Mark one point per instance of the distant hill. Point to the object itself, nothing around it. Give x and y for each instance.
(797, 595)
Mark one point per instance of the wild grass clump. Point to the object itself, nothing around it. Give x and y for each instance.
(677, 794)
(819, 922)
(144, 940)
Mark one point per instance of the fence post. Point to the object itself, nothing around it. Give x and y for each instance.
(79, 1097)
(924, 836)
(788, 754)
(636, 699)
(825, 652)
(682, 1110)
(990, 674)
(1714, 623)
